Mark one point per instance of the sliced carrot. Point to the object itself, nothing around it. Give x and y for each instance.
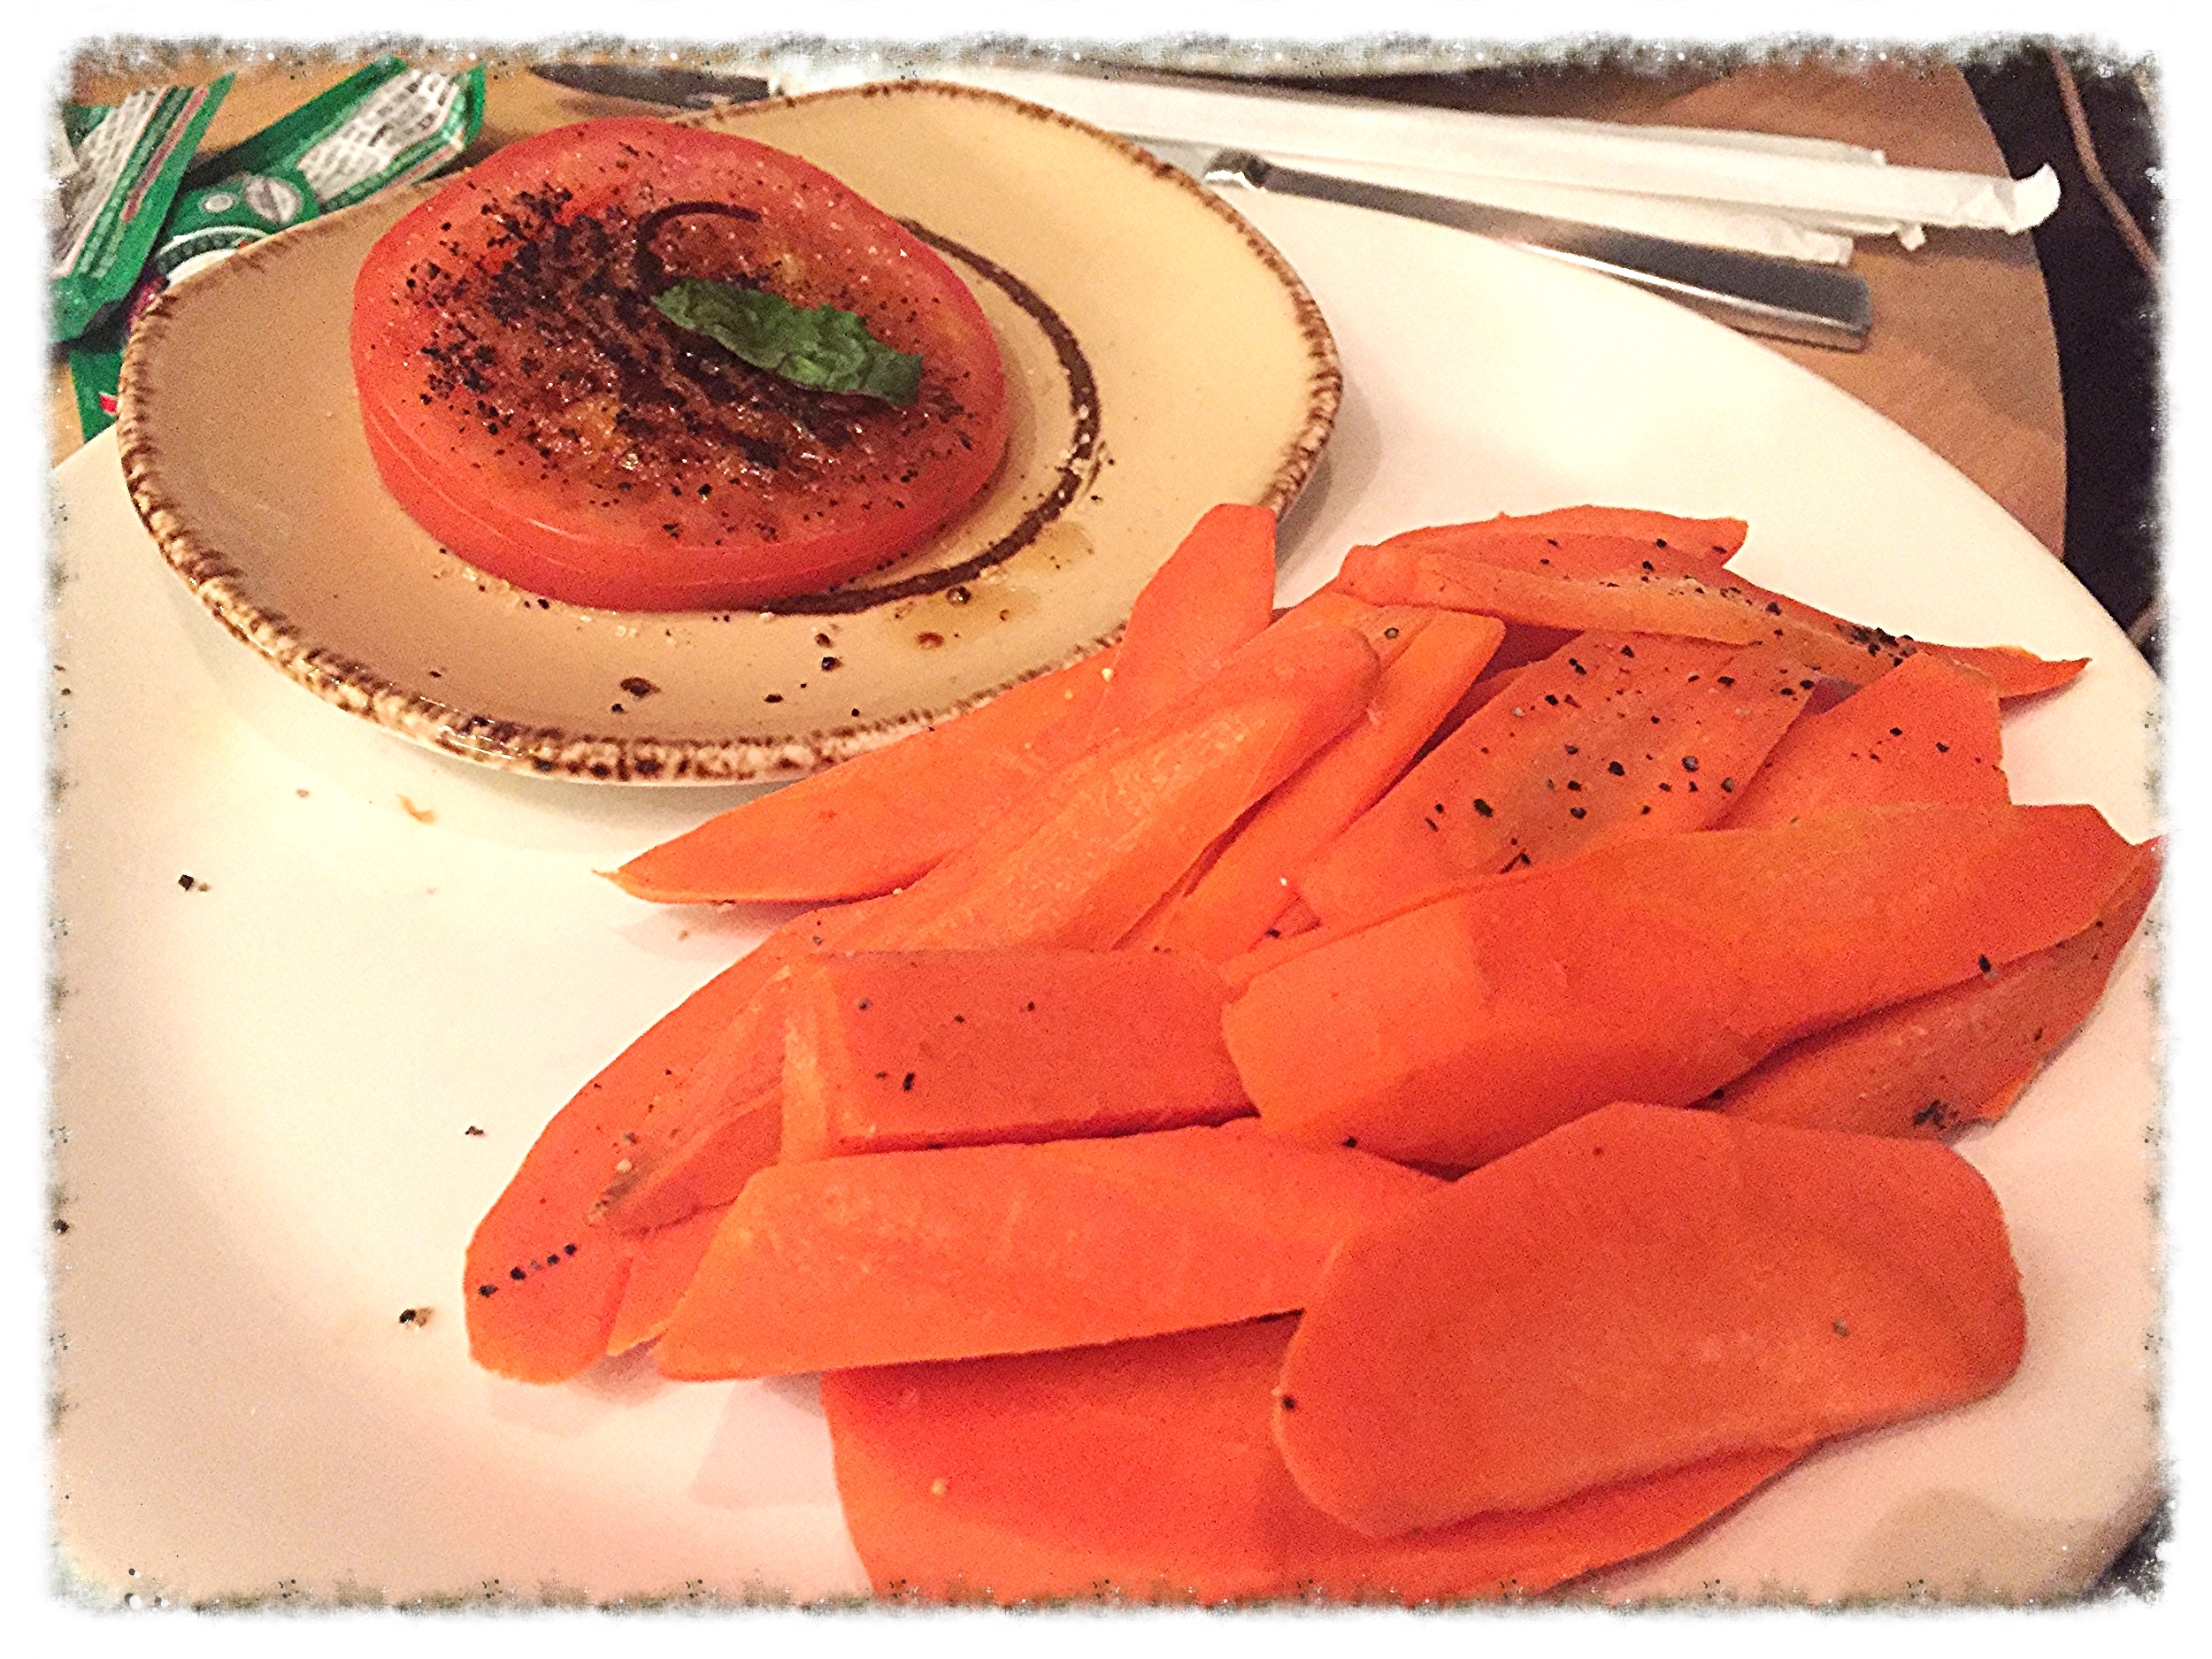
(897, 1051)
(1558, 545)
(1083, 858)
(1643, 1288)
(1237, 972)
(1146, 934)
(1306, 933)
(2015, 673)
(542, 1284)
(1925, 731)
(662, 1262)
(878, 820)
(884, 817)
(543, 1280)
(1582, 584)
(1714, 538)
(1653, 969)
(1525, 643)
(1615, 735)
(1495, 681)
(1389, 629)
(1249, 886)
(1550, 582)
(1144, 1471)
(713, 1142)
(711, 1132)
(1955, 1056)
(1215, 591)
(1075, 864)
(973, 1250)
(721, 1118)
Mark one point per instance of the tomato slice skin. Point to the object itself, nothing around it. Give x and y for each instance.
(526, 404)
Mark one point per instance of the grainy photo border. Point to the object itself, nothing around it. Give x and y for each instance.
(2144, 1580)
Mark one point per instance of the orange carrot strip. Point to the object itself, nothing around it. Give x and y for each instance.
(1525, 643)
(1215, 591)
(1715, 539)
(1655, 970)
(973, 1250)
(2015, 673)
(1075, 864)
(1476, 576)
(1640, 1289)
(1955, 1056)
(1925, 731)
(1087, 854)
(1145, 1470)
(1614, 736)
(896, 1051)
(1237, 972)
(1146, 934)
(542, 1284)
(1563, 547)
(662, 1264)
(711, 1158)
(1249, 885)
(1579, 585)
(1494, 681)
(883, 818)
(878, 820)
(1389, 629)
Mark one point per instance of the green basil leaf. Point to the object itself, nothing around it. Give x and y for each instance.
(825, 348)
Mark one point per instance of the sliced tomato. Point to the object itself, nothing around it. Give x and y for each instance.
(528, 405)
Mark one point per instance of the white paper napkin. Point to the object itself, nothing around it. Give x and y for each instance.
(1803, 198)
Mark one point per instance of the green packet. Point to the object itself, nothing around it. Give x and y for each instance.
(119, 168)
(386, 124)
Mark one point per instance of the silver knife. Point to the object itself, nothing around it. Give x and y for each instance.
(655, 83)
(1759, 294)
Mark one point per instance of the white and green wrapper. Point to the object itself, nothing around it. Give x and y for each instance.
(383, 126)
(118, 170)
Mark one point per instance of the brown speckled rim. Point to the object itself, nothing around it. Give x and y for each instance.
(545, 751)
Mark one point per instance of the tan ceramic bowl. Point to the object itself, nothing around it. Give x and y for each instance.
(1161, 356)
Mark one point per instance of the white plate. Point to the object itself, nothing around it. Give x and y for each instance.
(266, 1085)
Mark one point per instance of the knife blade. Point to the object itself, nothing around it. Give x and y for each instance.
(655, 83)
(1756, 293)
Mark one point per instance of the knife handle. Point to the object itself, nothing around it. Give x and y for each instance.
(1761, 295)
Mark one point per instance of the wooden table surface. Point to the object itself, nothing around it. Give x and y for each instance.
(1962, 353)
